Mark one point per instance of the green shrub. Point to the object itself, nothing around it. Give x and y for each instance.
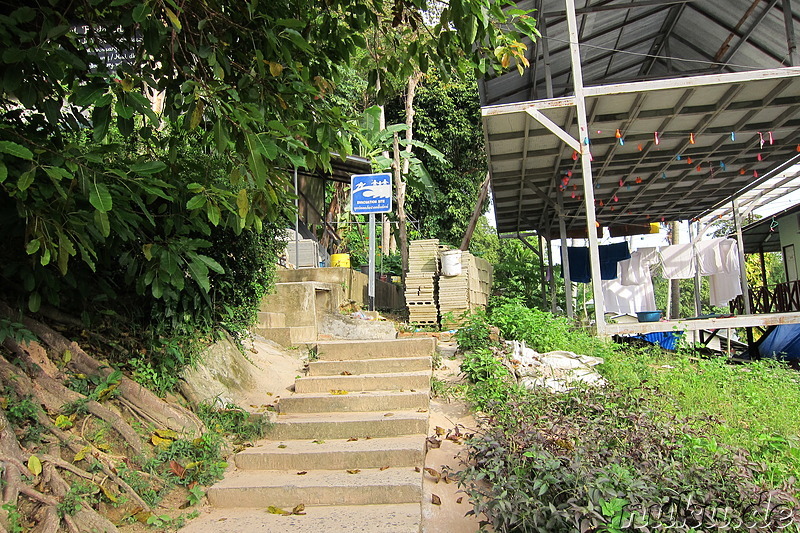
(544, 332)
(475, 331)
(603, 460)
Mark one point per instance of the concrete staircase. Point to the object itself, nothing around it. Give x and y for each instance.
(352, 435)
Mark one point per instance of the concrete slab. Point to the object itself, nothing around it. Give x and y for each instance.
(263, 488)
(355, 349)
(363, 401)
(369, 366)
(364, 382)
(340, 454)
(398, 518)
(324, 426)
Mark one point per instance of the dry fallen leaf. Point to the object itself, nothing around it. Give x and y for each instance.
(298, 509)
(318, 441)
(435, 474)
(338, 392)
(417, 469)
(433, 442)
(351, 439)
(302, 473)
(354, 471)
(439, 431)
(435, 500)
(281, 446)
(346, 373)
(277, 510)
(389, 414)
(384, 468)
(459, 499)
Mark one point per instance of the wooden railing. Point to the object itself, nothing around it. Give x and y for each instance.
(780, 298)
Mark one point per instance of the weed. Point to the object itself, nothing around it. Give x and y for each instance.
(15, 331)
(232, 420)
(313, 354)
(196, 495)
(443, 389)
(436, 360)
(79, 493)
(13, 517)
(200, 461)
(24, 414)
(475, 332)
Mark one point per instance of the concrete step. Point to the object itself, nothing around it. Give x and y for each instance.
(369, 366)
(340, 454)
(363, 401)
(289, 336)
(263, 488)
(370, 349)
(397, 381)
(271, 320)
(324, 426)
(401, 518)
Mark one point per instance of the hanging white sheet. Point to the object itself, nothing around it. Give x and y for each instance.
(678, 261)
(628, 299)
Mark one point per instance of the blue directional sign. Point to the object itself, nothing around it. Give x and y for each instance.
(371, 193)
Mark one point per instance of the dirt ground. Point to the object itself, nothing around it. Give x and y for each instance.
(449, 417)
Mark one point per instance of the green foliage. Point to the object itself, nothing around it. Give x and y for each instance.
(447, 117)
(232, 420)
(201, 458)
(754, 406)
(24, 414)
(475, 332)
(15, 331)
(544, 332)
(79, 493)
(14, 518)
(604, 460)
(517, 275)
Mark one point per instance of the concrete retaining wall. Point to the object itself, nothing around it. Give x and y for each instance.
(353, 285)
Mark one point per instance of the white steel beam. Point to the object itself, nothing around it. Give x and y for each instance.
(522, 107)
(555, 128)
(586, 166)
(692, 81)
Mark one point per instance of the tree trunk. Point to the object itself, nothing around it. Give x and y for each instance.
(400, 185)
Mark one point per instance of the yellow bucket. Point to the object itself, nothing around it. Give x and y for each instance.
(340, 260)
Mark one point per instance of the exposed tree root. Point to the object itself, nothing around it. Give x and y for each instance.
(138, 398)
(54, 395)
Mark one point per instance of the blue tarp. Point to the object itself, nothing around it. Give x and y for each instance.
(666, 339)
(782, 342)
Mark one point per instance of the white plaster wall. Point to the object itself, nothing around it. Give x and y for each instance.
(790, 234)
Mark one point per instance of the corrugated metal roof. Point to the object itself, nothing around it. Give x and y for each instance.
(656, 39)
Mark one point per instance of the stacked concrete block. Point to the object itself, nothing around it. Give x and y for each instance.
(420, 293)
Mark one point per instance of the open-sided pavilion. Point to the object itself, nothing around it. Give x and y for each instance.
(640, 111)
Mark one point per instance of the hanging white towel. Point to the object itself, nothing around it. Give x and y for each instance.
(628, 299)
(678, 261)
(709, 256)
(636, 270)
(726, 285)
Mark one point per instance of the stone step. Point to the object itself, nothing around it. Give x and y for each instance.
(369, 366)
(361, 401)
(370, 349)
(340, 454)
(397, 381)
(400, 518)
(289, 336)
(271, 320)
(324, 426)
(263, 488)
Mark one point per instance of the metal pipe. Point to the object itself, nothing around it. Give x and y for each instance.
(296, 221)
(791, 42)
(737, 219)
(562, 231)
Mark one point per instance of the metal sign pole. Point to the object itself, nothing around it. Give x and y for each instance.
(296, 222)
(371, 288)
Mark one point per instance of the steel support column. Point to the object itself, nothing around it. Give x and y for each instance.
(562, 232)
(586, 167)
